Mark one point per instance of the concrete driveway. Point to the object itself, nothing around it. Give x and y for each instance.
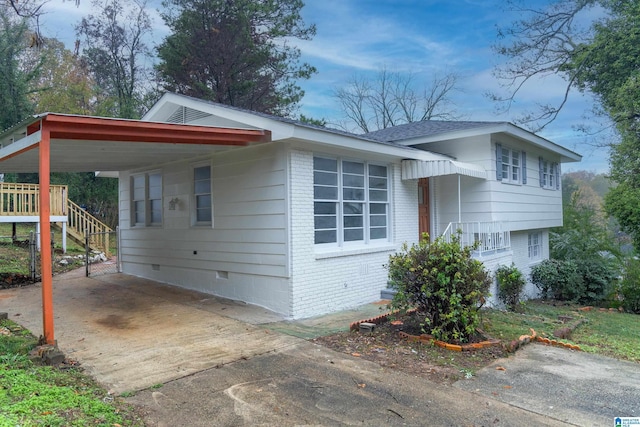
(211, 368)
(131, 333)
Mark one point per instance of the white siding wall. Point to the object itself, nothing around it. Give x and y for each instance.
(326, 282)
(520, 245)
(519, 256)
(525, 206)
(244, 255)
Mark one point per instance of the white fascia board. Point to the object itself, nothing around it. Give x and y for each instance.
(509, 129)
(24, 144)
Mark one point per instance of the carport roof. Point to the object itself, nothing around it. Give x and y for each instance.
(87, 144)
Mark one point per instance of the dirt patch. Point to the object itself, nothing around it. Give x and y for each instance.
(386, 347)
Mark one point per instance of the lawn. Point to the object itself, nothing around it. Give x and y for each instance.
(609, 333)
(14, 255)
(606, 333)
(33, 395)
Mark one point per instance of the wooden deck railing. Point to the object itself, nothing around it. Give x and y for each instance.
(22, 199)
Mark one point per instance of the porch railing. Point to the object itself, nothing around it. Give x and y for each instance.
(490, 236)
(23, 200)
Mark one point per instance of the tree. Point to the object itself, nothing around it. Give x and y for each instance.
(541, 44)
(14, 83)
(115, 53)
(63, 83)
(237, 53)
(392, 99)
(604, 59)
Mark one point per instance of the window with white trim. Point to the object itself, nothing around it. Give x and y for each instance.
(511, 165)
(351, 201)
(549, 174)
(202, 195)
(535, 246)
(146, 199)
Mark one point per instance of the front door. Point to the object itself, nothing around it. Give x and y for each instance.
(423, 206)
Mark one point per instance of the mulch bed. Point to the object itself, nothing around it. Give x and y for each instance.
(386, 346)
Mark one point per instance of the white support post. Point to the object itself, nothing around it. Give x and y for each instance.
(38, 238)
(459, 202)
(64, 237)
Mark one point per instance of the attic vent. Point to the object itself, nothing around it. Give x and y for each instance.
(186, 115)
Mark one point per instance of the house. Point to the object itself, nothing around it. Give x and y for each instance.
(298, 218)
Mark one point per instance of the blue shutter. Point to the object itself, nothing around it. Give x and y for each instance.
(524, 167)
(557, 170)
(540, 168)
(498, 161)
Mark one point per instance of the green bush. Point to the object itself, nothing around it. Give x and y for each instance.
(599, 274)
(630, 286)
(510, 284)
(443, 283)
(559, 280)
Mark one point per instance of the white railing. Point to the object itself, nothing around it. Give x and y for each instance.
(490, 236)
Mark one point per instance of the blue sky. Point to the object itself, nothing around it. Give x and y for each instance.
(421, 37)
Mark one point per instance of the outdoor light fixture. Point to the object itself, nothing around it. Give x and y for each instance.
(173, 203)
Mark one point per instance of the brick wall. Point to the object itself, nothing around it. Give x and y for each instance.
(323, 282)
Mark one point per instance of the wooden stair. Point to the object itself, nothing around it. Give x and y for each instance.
(21, 201)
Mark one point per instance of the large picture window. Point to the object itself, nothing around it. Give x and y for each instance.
(351, 201)
(146, 199)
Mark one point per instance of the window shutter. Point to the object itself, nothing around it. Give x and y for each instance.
(499, 162)
(557, 170)
(541, 171)
(524, 167)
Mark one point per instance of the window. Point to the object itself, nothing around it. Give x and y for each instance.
(202, 195)
(511, 165)
(549, 174)
(351, 201)
(535, 246)
(146, 200)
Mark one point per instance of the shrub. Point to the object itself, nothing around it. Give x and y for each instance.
(510, 285)
(630, 286)
(444, 283)
(599, 274)
(558, 280)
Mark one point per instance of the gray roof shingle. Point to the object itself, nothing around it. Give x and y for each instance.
(424, 128)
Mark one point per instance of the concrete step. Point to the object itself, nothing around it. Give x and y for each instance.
(387, 293)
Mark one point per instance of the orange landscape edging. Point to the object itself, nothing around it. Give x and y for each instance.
(512, 347)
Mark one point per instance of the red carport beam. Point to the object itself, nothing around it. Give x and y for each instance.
(45, 236)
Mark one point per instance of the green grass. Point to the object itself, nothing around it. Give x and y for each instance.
(607, 333)
(14, 258)
(33, 395)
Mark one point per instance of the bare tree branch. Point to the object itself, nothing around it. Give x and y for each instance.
(540, 45)
(392, 99)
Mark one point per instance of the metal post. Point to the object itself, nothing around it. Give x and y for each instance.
(86, 253)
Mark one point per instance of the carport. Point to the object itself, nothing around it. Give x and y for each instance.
(71, 143)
